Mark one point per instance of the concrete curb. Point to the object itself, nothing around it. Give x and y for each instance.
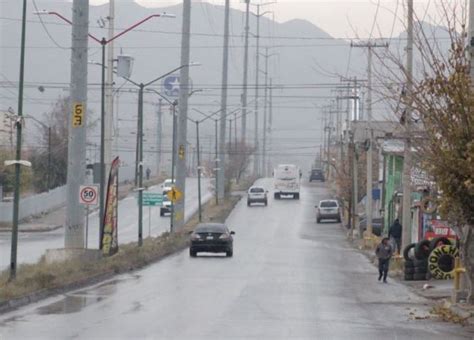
(32, 229)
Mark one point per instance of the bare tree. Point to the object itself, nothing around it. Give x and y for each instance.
(442, 101)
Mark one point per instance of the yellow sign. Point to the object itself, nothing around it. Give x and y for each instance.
(78, 115)
(181, 152)
(174, 195)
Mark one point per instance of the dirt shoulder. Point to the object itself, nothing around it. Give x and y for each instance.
(41, 280)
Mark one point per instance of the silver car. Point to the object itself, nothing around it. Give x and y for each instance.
(328, 210)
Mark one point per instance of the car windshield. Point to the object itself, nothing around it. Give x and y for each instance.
(316, 172)
(211, 228)
(257, 190)
(328, 204)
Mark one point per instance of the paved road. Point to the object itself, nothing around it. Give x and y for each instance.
(289, 278)
(32, 245)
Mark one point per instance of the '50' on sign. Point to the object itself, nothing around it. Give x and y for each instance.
(88, 194)
(78, 115)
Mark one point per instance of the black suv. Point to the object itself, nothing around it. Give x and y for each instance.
(316, 175)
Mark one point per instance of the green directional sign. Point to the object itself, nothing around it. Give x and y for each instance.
(152, 199)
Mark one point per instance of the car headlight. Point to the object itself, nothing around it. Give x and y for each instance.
(224, 236)
(195, 237)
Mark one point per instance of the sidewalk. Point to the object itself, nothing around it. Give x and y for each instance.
(54, 220)
(439, 291)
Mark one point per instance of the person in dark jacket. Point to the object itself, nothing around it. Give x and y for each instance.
(384, 252)
(395, 231)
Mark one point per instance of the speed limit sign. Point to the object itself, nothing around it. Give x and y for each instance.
(88, 194)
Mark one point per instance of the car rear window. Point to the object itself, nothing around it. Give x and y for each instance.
(253, 190)
(328, 204)
(217, 228)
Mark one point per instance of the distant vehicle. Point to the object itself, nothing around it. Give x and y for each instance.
(287, 179)
(166, 205)
(328, 210)
(167, 185)
(316, 175)
(377, 225)
(257, 195)
(213, 238)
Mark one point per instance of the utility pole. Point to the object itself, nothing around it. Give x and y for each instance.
(265, 106)
(159, 137)
(407, 156)
(223, 118)
(369, 149)
(246, 65)
(109, 98)
(74, 229)
(179, 207)
(198, 171)
(270, 124)
(257, 66)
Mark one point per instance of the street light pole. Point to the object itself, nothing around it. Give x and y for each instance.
(217, 163)
(103, 43)
(18, 124)
(198, 170)
(173, 162)
(140, 165)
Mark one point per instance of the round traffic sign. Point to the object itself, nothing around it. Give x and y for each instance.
(88, 195)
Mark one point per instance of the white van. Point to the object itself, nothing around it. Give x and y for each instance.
(287, 178)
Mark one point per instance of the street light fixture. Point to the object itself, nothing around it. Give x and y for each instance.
(103, 42)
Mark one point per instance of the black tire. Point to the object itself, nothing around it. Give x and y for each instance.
(406, 251)
(266, 202)
(408, 277)
(318, 220)
(409, 264)
(162, 213)
(420, 270)
(422, 250)
(437, 241)
(248, 203)
(229, 253)
(410, 271)
(276, 196)
(420, 263)
(338, 220)
(192, 252)
(419, 276)
(297, 196)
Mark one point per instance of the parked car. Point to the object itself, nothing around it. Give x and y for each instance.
(377, 226)
(257, 195)
(166, 205)
(213, 238)
(316, 175)
(328, 210)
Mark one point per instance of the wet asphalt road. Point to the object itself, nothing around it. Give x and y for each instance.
(33, 244)
(289, 278)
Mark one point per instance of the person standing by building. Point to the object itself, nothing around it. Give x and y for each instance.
(395, 232)
(384, 252)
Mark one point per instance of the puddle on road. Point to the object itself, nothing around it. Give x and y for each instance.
(74, 303)
(69, 304)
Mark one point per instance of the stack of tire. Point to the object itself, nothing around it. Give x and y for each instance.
(416, 258)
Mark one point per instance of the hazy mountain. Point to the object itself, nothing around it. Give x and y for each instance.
(305, 68)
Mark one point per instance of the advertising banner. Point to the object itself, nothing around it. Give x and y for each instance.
(109, 239)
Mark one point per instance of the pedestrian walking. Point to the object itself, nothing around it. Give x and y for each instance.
(148, 172)
(384, 252)
(395, 232)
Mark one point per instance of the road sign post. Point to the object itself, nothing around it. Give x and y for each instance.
(88, 195)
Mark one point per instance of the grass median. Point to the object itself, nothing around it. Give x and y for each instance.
(49, 278)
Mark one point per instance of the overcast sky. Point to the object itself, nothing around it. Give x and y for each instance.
(340, 18)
